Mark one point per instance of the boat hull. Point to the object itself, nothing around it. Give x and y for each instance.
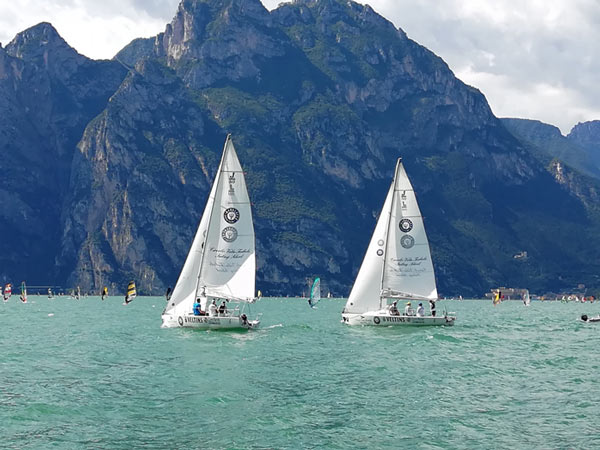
(386, 320)
(208, 322)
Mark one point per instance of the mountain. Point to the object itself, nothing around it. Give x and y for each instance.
(321, 97)
(48, 95)
(580, 149)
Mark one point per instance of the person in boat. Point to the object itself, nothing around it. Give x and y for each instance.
(408, 311)
(393, 309)
(223, 308)
(432, 307)
(420, 310)
(212, 309)
(198, 308)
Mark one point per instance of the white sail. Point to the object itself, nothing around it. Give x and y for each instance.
(408, 267)
(366, 292)
(222, 260)
(398, 261)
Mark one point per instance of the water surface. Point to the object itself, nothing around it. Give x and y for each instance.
(93, 374)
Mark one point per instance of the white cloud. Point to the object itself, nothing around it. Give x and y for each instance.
(534, 59)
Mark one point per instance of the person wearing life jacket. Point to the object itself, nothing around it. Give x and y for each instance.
(408, 311)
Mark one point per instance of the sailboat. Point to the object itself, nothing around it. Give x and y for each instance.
(131, 293)
(221, 263)
(50, 293)
(397, 265)
(315, 293)
(104, 293)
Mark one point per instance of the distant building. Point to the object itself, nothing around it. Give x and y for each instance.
(507, 293)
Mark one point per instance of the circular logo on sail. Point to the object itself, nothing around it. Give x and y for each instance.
(406, 225)
(229, 234)
(407, 241)
(231, 215)
(380, 242)
(379, 252)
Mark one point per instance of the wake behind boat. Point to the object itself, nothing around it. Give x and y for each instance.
(397, 265)
(220, 267)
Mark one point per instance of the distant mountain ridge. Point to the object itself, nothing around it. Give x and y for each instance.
(321, 97)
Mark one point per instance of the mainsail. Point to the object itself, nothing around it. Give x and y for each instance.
(398, 262)
(221, 262)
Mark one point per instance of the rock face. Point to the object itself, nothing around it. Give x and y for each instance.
(321, 97)
(48, 94)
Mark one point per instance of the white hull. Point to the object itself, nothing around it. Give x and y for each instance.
(386, 320)
(232, 322)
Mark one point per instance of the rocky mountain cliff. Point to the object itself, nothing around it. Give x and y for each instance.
(321, 97)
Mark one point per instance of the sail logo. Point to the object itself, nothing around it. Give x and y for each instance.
(231, 183)
(229, 234)
(407, 241)
(231, 215)
(403, 202)
(406, 225)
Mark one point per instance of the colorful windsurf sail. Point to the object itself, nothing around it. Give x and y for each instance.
(23, 296)
(315, 293)
(131, 292)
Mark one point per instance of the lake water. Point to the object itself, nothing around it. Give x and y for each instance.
(93, 374)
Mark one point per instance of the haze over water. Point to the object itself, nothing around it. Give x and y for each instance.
(93, 374)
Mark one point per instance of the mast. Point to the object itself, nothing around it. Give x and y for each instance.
(213, 192)
(387, 231)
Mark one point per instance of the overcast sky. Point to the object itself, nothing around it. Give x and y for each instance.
(536, 59)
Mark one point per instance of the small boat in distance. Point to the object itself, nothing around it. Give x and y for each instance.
(104, 293)
(131, 293)
(50, 293)
(397, 265)
(585, 318)
(221, 264)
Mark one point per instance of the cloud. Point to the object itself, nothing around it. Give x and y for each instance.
(534, 59)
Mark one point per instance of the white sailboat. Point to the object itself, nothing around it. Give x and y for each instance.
(397, 265)
(221, 265)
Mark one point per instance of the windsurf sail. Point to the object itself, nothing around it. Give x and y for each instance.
(497, 297)
(50, 293)
(7, 291)
(23, 295)
(315, 292)
(131, 292)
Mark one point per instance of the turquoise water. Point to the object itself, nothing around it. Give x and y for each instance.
(101, 375)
